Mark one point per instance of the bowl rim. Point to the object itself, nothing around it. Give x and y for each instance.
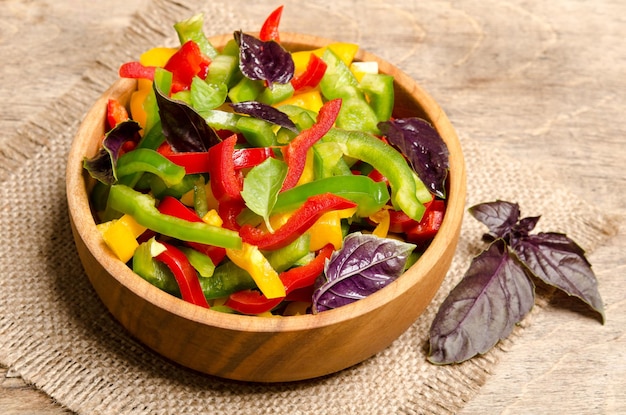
(80, 212)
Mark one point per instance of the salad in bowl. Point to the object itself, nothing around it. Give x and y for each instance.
(266, 175)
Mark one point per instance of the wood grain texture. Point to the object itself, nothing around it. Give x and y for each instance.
(541, 81)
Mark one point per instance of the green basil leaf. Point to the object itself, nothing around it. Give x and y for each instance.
(261, 186)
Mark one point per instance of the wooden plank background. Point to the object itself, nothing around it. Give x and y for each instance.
(542, 81)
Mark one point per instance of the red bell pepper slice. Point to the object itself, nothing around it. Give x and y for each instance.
(399, 221)
(226, 182)
(377, 176)
(171, 206)
(136, 70)
(295, 152)
(312, 75)
(199, 162)
(294, 279)
(245, 158)
(187, 62)
(185, 275)
(269, 30)
(116, 113)
(228, 210)
(426, 229)
(301, 220)
(301, 294)
(305, 276)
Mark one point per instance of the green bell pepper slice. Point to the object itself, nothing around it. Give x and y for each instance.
(258, 133)
(143, 209)
(406, 188)
(339, 82)
(192, 29)
(144, 160)
(153, 271)
(202, 263)
(379, 90)
(370, 196)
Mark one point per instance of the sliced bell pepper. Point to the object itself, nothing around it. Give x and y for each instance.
(250, 258)
(311, 76)
(310, 100)
(340, 82)
(151, 270)
(301, 220)
(199, 162)
(229, 278)
(389, 162)
(185, 274)
(380, 94)
(116, 113)
(269, 29)
(399, 221)
(328, 230)
(136, 70)
(185, 64)
(245, 158)
(145, 160)
(171, 206)
(296, 151)
(226, 182)
(382, 220)
(120, 235)
(370, 196)
(427, 228)
(201, 262)
(142, 208)
(254, 302)
(193, 29)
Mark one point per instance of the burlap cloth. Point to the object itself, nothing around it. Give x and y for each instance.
(57, 335)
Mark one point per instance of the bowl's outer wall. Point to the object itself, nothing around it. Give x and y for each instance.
(252, 348)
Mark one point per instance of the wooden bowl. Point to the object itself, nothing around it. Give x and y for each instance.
(252, 348)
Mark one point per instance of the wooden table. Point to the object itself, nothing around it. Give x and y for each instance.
(542, 81)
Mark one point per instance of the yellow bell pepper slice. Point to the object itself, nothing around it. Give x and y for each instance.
(345, 51)
(252, 260)
(153, 57)
(136, 105)
(212, 218)
(327, 229)
(382, 219)
(120, 235)
(310, 100)
(157, 56)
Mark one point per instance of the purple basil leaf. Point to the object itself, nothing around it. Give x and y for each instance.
(184, 129)
(102, 166)
(525, 225)
(424, 148)
(364, 265)
(494, 295)
(266, 113)
(559, 261)
(266, 61)
(499, 216)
